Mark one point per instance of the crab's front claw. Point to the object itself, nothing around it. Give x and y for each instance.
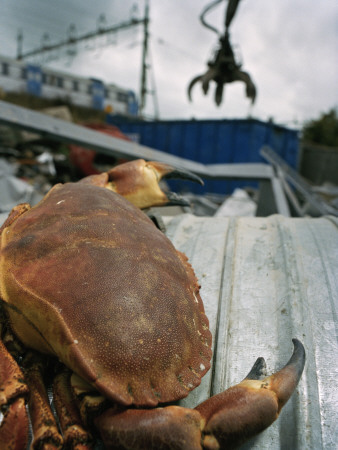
(224, 421)
(242, 411)
(172, 427)
(138, 181)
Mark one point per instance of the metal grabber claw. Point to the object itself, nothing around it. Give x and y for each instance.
(223, 67)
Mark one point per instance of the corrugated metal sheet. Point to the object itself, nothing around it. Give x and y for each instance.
(265, 281)
(214, 141)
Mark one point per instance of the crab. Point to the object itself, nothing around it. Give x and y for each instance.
(91, 288)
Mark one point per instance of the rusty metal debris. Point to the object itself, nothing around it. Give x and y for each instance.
(223, 68)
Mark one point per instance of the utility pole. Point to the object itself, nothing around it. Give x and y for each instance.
(143, 88)
(72, 40)
(19, 41)
(145, 67)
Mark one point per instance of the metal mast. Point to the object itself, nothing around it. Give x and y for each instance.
(143, 88)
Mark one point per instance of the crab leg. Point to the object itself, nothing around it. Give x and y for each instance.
(14, 426)
(225, 420)
(89, 401)
(74, 434)
(45, 429)
(138, 181)
(13, 393)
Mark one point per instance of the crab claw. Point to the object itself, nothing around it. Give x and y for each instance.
(138, 181)
(226, 420)
(242, 411)
(172, 427)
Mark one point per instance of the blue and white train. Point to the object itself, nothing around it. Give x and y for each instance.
(20, 76)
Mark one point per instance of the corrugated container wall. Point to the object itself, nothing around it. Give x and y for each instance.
(213, 141)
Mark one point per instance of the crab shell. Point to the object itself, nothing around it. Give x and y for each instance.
(88, 278)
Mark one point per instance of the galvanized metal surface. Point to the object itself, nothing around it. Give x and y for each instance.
(265, 281)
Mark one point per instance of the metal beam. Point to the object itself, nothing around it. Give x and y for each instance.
(292, 177)
(71, 133)
(244, 171)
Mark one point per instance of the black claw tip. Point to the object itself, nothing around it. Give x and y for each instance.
(297, 359)
(176, 200)
(183, 175)
(257, 370)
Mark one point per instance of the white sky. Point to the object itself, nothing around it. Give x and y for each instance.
(289, 47)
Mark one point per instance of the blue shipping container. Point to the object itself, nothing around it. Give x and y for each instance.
(214, 141)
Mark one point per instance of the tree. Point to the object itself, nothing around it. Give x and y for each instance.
(324, 130)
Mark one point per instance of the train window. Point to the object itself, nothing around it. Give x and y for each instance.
(50, 80)
(122, 97)
(111, 94)
(82, 87)
(59, 82)
(24, 73)
(5, 68)
(75, 85)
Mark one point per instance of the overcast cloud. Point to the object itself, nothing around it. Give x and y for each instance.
(289, 47)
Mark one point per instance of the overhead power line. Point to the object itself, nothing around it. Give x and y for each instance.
(102, 30)
(73, 40)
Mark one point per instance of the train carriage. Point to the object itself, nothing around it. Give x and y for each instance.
(44, 82)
